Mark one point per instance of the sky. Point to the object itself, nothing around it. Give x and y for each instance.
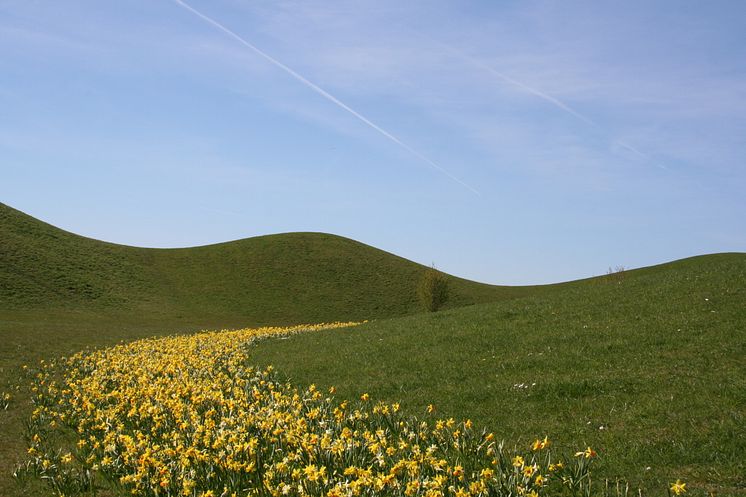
(502, 141)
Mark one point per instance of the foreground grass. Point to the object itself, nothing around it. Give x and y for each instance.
(648, 367)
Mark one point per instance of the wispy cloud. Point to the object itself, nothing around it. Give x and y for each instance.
(324, 94)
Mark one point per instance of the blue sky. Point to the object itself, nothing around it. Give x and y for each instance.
(507, 142)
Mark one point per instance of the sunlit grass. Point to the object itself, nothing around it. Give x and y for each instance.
(648, 370)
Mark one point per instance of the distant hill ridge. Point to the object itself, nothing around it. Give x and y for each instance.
(281, 278)
(274, 279)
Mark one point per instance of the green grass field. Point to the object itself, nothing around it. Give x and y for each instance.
(646, 366)
(649, 369)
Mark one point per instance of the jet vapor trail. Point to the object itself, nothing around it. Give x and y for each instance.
(554, 101)
(322, 92)
(533, 91)
(514, 82)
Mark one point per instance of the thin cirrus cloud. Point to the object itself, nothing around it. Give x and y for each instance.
(325, 94)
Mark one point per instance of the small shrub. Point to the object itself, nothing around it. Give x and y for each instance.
(433, 289)
(616, 275)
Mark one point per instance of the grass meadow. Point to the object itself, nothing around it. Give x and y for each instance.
(646, 367)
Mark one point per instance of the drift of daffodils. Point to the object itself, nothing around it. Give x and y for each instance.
(190, 416)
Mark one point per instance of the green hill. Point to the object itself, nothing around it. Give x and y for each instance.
(647, 366)
(60, 293)
(286, 278)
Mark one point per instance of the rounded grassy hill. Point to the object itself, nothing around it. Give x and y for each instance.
(275, 279)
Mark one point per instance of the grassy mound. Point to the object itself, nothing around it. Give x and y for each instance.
(276, 279)
(60, 293)
(646, 366)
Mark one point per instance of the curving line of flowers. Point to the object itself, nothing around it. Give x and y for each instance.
(190, 416)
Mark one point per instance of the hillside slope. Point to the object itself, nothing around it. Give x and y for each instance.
(286, 278)
(648, 367)
(654, 355)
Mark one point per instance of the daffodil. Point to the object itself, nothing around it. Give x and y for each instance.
(540, 444)
(587, 453)
(678, 488)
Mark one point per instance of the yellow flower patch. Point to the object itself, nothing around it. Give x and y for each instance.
(190, 416)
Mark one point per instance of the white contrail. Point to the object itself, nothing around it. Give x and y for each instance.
(643, 155)
(533, 91)
(514, 82)
(322, 92)
(544, 96)
(557, 103)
